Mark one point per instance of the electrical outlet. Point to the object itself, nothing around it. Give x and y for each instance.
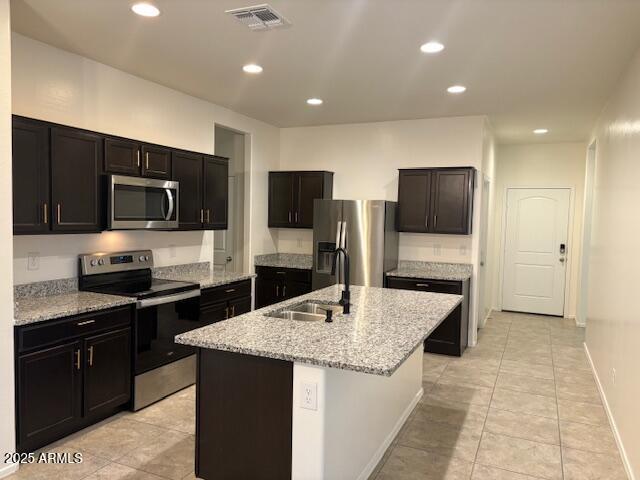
(309, 396)
(613, 376)
(33, 261)
(437, 249)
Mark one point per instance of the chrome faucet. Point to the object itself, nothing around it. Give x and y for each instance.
(346, 293)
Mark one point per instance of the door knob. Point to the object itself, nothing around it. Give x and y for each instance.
(562, 259)
(228, 259)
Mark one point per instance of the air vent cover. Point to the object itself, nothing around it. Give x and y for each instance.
(259, 17)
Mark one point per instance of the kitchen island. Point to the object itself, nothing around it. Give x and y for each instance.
(280, 398)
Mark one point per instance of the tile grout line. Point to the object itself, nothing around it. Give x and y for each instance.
(555, 384)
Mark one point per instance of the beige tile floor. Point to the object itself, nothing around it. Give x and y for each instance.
(522, 405)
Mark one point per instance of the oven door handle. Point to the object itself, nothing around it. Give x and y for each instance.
(150, 302)
(171, 204)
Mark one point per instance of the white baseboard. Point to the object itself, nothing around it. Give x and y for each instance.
(612, 422)
(7, 470)
(368, 470)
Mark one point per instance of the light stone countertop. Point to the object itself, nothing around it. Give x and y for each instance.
(301, 261)
(208, 279)
(432, 270)
(384, 327)
(28, 310)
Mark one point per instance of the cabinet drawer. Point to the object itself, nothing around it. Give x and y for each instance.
(437, 286)
(284, 274)
(225, 292)
(50, 332)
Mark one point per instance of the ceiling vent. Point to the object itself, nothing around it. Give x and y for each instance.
(259, 17)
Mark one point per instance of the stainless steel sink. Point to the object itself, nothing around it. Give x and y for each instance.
(306, 311)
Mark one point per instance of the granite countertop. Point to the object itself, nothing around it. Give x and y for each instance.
(199, 273)
(301, 261)
(29, 310)
(384, 327)
(432, 270)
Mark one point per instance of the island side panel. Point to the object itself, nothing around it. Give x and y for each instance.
(243, 416)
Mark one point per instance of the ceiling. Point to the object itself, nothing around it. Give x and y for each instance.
(526, 63)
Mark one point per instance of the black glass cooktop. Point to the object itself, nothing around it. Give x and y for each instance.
(137, 284)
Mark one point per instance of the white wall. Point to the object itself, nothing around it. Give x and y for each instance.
(613, 323)
(7, 435)
(541, 165)
(58, 86)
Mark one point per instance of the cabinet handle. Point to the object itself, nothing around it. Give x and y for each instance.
(208, 216)
(284, 291)
(86, 322)
(91, 356)
(435, 221)
(230, 290)
(289, 217)
(281, 273)
(296, 217)
(77, 362)
(233, 311)
(201, 215)
(138, 157)
(277, 291)
(226, 313)
(59, 212)
(146, 161)
(45, 213)
(422, 285)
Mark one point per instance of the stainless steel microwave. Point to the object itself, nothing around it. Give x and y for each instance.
(142, 203)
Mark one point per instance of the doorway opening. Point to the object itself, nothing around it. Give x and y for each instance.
(228, 245)
(589, 190)
(536, 250)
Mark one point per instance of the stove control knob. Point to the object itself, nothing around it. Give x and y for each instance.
(142, 259)
(146, 258)
(94, 262)
(101, 261)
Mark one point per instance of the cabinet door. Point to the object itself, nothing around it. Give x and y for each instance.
(309, 186)
(187, 170)
(294, 289)
(76, 159)
(451, 201)
(268, 292)
(215, 312)
(414, 191)
(239, 306)
(31, 208)
(156, 162)
(121, 157)
(281, 204)
(49, 394)
(107, 378)
(216, 192)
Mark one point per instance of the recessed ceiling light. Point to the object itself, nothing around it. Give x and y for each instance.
(145, 9)
(252, 68)
(314, 101)
(432, 47)
(456, 89)
(540, 131)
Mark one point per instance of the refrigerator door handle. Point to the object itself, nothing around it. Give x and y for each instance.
(343, 236)
(338, 243)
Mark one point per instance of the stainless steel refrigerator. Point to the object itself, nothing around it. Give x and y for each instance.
(366, 229)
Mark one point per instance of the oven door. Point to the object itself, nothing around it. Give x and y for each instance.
(142, 203)
(155, 329)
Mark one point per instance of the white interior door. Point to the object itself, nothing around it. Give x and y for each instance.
(535, 254)
(223, 240)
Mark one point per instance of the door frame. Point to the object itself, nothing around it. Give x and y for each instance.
(569, 256)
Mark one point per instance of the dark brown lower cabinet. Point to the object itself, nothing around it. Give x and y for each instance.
(275, 284)
(226, 301)
(243, 416)
(71, 373)
(451, 336)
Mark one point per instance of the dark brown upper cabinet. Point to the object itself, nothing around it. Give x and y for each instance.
(216, 192)
(31, 205)
(121, 157)
(156, 162)
(436, 200)
(291, 196)
(76, 160)
(203, 187)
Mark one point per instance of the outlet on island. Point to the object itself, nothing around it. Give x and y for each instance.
(309, 396)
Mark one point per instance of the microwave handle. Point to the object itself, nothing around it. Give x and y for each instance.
(171, 204)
